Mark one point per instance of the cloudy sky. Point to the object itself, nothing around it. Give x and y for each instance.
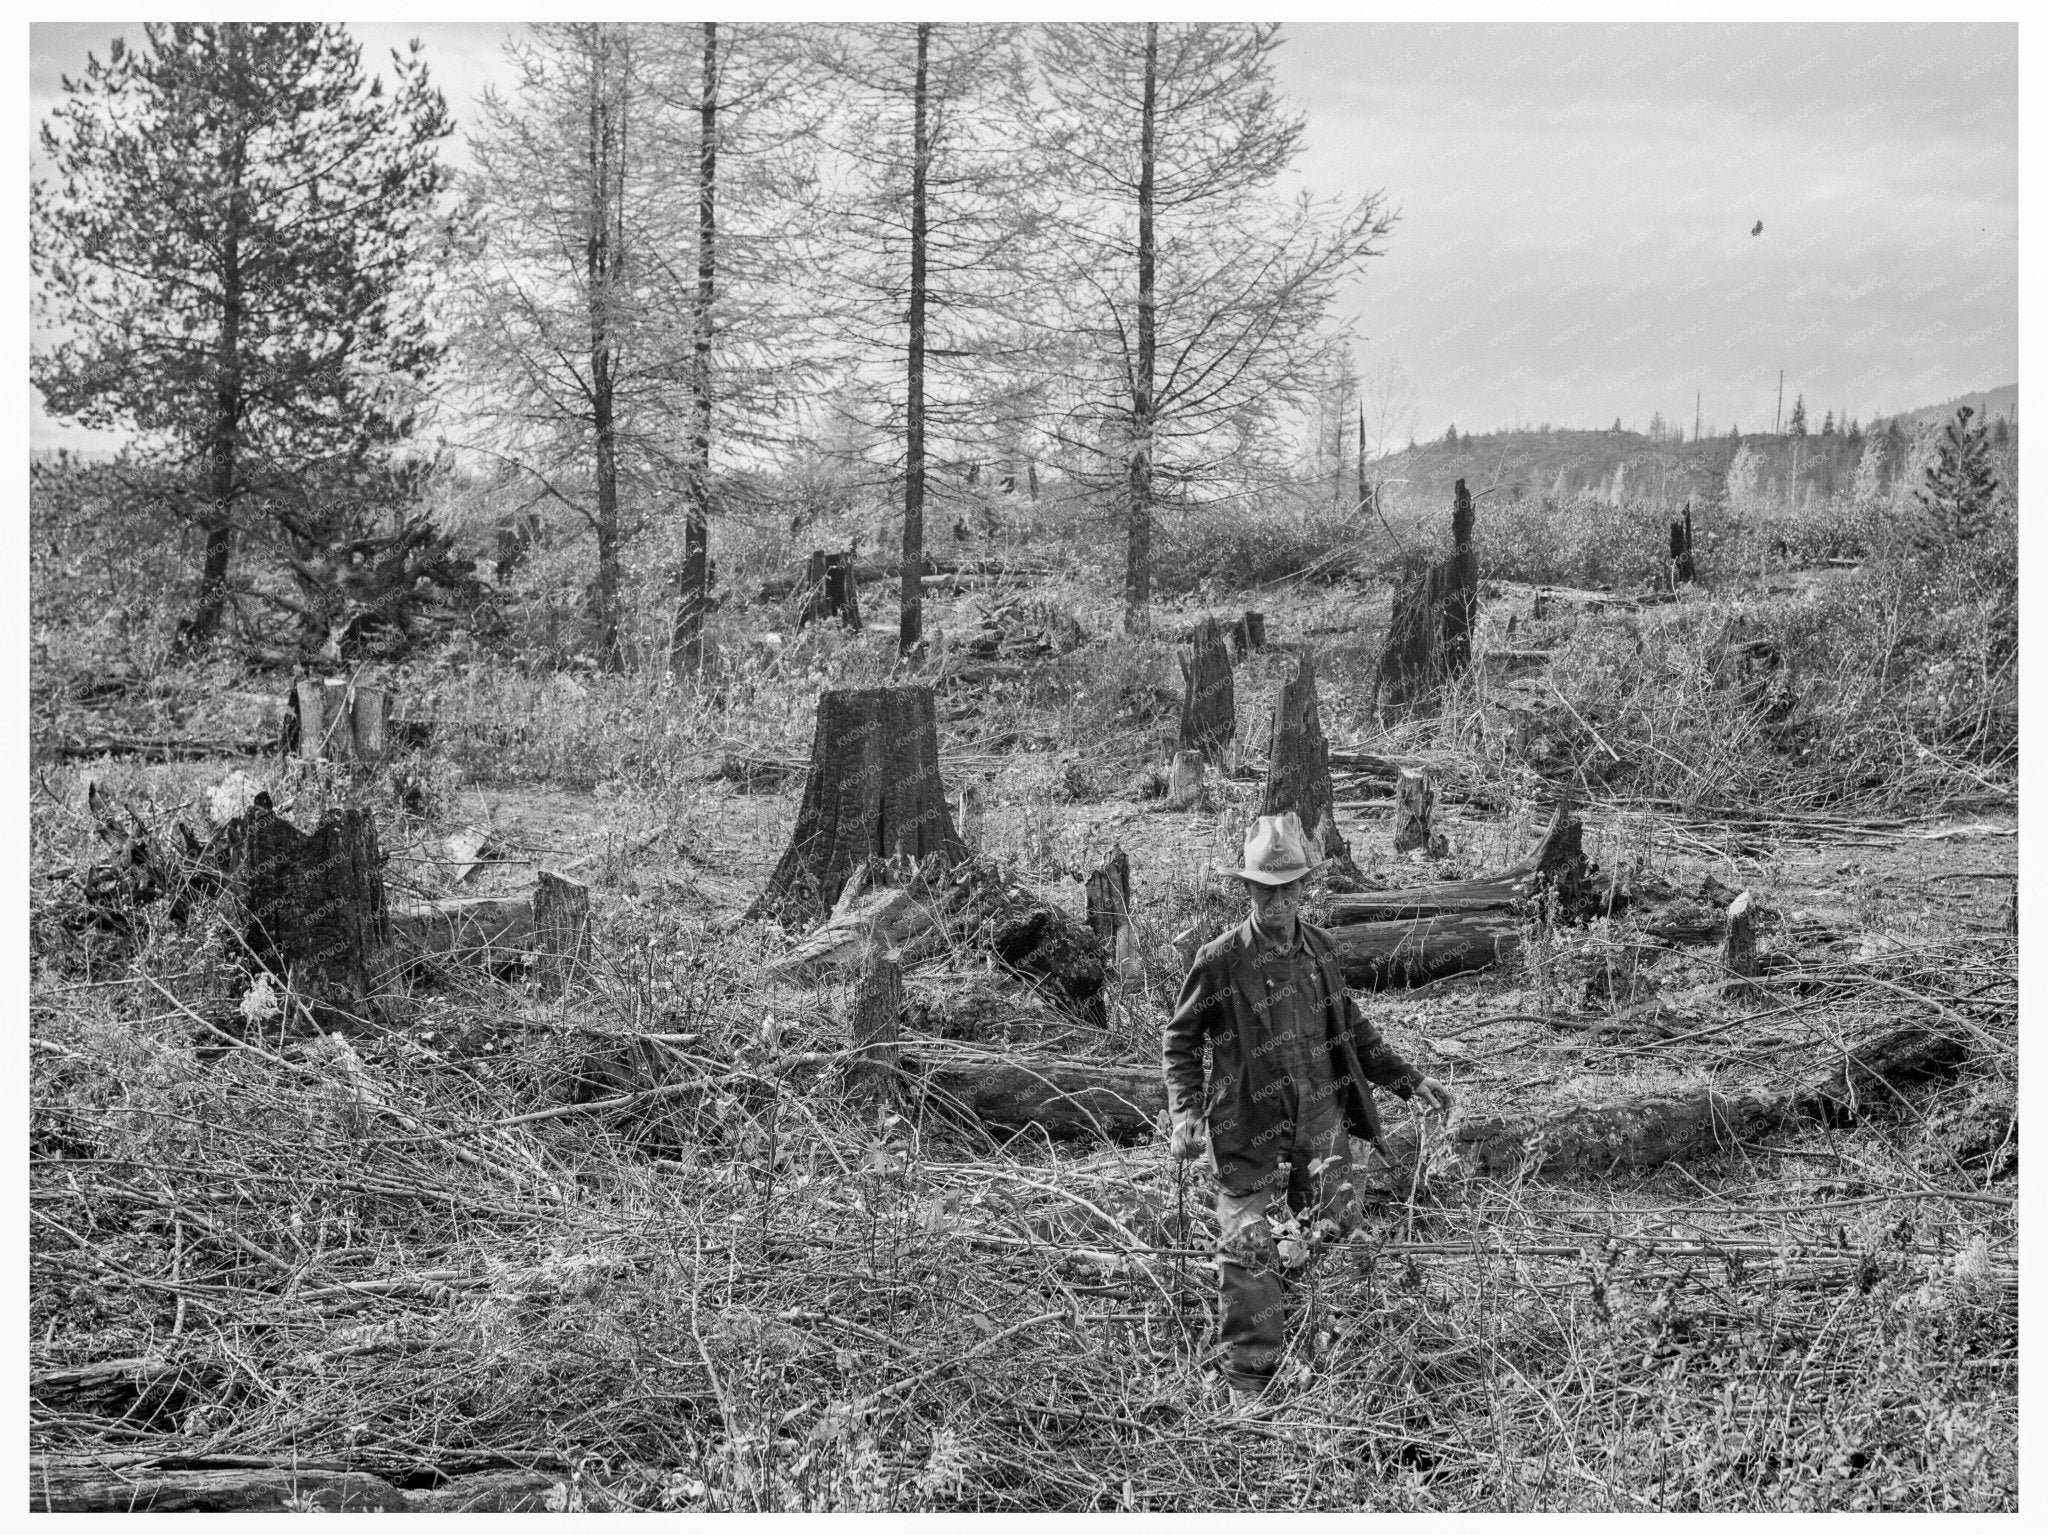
(1576, 204)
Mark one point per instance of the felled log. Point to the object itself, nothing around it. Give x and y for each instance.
(84, 1485)
(1208, 715)
(311, 904)
(1018, 1091)
(1559, 859)
(1298, 769)
(491, 930)
(141, 1389)
(872, 790)
(1377, 956)
(887, 917)
(158, 748)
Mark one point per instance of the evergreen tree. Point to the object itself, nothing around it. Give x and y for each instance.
(1617, 425)
(1796, 427)
(1959, 497)
(236, 253)
(1451, 437)
(1827, 424)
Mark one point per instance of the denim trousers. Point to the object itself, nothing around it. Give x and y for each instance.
(1313, 1187)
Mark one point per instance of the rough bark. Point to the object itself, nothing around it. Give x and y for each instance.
(312, 905)
(1208, 714)
(686, 648)
(1298, 769)
(873, 791)
(910, 628)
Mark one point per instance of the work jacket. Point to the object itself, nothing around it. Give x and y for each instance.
(1244, 1102)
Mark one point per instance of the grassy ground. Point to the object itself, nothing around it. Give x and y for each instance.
(639, 1240)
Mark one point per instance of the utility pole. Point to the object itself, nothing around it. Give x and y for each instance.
(1777, 420)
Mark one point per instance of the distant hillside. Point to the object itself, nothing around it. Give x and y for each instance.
(1989, 404)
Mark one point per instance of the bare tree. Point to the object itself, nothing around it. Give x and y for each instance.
(1199, 297)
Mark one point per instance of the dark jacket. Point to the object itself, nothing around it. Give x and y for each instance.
(1241, 1100)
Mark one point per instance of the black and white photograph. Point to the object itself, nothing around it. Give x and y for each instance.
(1023, 766)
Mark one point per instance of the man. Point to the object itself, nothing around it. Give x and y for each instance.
(1295, 1063)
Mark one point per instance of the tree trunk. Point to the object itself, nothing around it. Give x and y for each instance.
(1109, 915)
(873, 791)
(604, 269)
(686, 650)
(877, 1030)
(1138, 531)
(1738, 952)
(910, 629)
(335, 721)
(85, 1485)
(831, 590)
(1208, 715)
(313, 906)
(1375, 956)
(1298, 768)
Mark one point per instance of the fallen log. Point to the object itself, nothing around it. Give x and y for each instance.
(1065, 1098)
(1559, 857)
(1376, 956)
(159, 748)
(78, 1485)
(862, 917)
(490, 929)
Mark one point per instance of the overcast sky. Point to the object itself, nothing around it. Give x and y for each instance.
(1576, 205)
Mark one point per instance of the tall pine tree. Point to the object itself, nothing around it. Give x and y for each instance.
(235, 257)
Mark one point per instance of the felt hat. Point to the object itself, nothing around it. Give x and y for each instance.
(1275, 851)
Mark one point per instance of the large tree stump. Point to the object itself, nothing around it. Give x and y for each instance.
(830, 590)
(1109, 914)
(877, 1028)
(1208, 715)
(312, 905)
(1415, 814)
(561, 931)
(1298, 769)
(1429, 636)
(872, 792)
(338, 721)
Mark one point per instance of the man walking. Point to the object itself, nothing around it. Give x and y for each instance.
(1295, 1063)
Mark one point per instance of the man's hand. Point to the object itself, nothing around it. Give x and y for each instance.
(1190, 1137)
(1436, 1098)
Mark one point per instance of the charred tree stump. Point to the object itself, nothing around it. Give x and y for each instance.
(1681, 550)
(338, 721)
(1109, 913)
(873, 1071)
(1429, 637)
(830, 590)
(1298, 770)
(1415, 814)
(873, 791)
(1208, 715)
(313, 905)
(561, 931)
(1247, 635)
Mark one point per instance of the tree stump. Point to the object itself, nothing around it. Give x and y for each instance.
(830, 590)
(1539, 607)
(337, 721)
(1247, 635)
(1739, 949)
(561, 932)
(877, 1027)
(312, 905)
(1429, 636)
(872, 791)
(1415, 814)
(973, 815)
(1681, 551)
(1185, 788)
(1109, 913)
(1298, 769)
(1208, 715)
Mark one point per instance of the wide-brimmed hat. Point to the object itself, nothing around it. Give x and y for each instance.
(1275, 851)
